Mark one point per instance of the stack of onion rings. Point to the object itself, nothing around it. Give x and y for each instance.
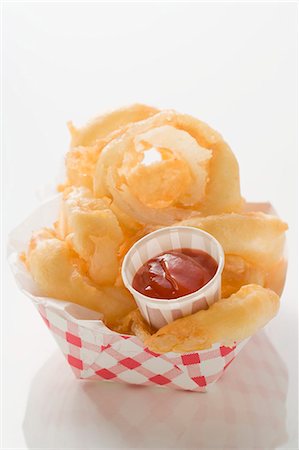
(137, 169)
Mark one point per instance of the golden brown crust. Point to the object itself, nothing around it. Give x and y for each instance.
(61, 274)
(102, 126)
(133, 323)
(119, 198)
(259, 238)
(238, 272)
(93, 231)
(222, 191)
(253, 244)
(88, 142)
(226, 321)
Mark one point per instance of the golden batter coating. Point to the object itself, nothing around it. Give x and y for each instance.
(135, 170)
(87, 142)
(193, 166)
(61, 274)
(253, 244)
(226, 321)
(257, 237)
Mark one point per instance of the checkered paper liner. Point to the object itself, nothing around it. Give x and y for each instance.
(95, 352)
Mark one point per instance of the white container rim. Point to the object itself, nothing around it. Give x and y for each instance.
(184, 298)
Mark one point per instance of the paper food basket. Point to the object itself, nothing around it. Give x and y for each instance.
(93, 351)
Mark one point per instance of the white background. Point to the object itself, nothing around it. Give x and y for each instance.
(231, 65)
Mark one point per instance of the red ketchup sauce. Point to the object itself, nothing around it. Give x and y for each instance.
(175, 273)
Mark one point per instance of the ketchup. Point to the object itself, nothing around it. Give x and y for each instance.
(175, 273)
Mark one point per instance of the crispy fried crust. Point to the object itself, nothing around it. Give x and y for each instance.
(133, 323)
(102, 126)
(238, 272)
(226, 321)
(223, 189)
(112, 198)
(61, 274)
(259, 238)
(219, 172)
(87, 142)
(93, 231)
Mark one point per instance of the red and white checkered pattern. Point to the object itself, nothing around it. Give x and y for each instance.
(97, 353)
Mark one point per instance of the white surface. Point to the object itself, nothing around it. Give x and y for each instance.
(232, 65)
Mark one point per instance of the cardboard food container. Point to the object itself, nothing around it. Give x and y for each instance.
(93, 351)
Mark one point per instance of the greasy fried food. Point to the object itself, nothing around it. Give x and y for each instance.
(94, 232)
(259, 238)
(102, 126)
(135, 170)
(87, 142)
(134, 323)
(226, 321)
(253, 244)
(238, 272)
(61, 274)
(80, 165)
(194, 168)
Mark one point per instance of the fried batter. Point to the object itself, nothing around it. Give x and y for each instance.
(226, 321)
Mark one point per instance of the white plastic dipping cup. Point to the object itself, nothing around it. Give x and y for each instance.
(158, 312)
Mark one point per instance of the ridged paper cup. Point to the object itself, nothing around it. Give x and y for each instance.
(158, 312)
